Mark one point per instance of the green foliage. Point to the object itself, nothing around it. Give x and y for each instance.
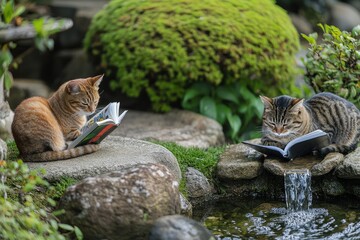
(234, 106)
(13, 151)
(20, 217)
(334, 64)
(204, 160)
(25, 201)
(9, 13)
(160, 48)
(60, 187)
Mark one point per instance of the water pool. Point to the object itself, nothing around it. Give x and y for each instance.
(259, 219)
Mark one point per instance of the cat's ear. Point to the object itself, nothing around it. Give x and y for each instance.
(268, 102)
(296, 103)
(95, 81)
(73, 88)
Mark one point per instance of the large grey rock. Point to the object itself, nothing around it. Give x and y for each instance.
(239, 162)
(116, 153)
(343, 15)
(350, 168)
(178, 227)
(185, 128)
(122, 204)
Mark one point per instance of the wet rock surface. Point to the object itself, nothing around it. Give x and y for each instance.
(314, 164)
(178, 227)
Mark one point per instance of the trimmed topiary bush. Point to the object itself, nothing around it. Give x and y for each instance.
(159, 48)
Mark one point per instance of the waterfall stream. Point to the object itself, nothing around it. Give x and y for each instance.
(298, 193)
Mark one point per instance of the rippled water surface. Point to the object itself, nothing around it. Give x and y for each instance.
(270, 220)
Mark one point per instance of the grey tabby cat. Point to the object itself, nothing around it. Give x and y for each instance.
(286, 118)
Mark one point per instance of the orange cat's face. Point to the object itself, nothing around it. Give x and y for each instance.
(82, 94)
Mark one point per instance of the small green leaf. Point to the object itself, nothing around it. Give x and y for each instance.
(66, 227)
(308, 38)
(190, 94)
(235, 124)
(78, 233)
(58, 212)
(208, 107)
(226, 93)
(38, 25)
(246, 94)
(8, 80)
(222, 111)
(54, 224)
(19, 10)
(8, 12)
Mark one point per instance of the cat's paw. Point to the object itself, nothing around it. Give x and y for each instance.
(326, 150)
(73, 135)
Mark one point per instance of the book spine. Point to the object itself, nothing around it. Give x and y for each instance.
(103, 133)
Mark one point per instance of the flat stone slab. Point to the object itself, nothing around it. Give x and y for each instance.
(239, 162)
(242, 162)
(279, 167)
(185, 128)
(317, 166)
(116, 153)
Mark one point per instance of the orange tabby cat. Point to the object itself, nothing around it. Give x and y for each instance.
(42, 127)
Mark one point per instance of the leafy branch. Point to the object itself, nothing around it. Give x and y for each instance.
(334, 64)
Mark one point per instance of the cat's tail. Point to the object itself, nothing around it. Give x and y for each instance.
(61, 155)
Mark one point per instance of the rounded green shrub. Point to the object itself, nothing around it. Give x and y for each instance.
(159, 48)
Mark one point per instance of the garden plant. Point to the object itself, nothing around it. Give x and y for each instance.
(333, 63)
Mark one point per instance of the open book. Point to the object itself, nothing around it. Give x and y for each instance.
(100, 125)
(297, 147)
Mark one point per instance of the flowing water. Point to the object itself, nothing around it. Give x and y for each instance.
(297, 218)
(298, 195)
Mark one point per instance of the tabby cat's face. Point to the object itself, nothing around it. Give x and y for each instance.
(82, 94)
(283, 117)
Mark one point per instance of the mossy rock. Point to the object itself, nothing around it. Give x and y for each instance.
(161, 47)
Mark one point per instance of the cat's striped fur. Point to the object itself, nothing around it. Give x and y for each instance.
(286, 118)
(42, 128)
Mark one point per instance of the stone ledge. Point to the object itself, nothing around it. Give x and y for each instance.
(116, 153)
(350, 168)
(239, 162)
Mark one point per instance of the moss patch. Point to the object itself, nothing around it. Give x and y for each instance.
(203, 160)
